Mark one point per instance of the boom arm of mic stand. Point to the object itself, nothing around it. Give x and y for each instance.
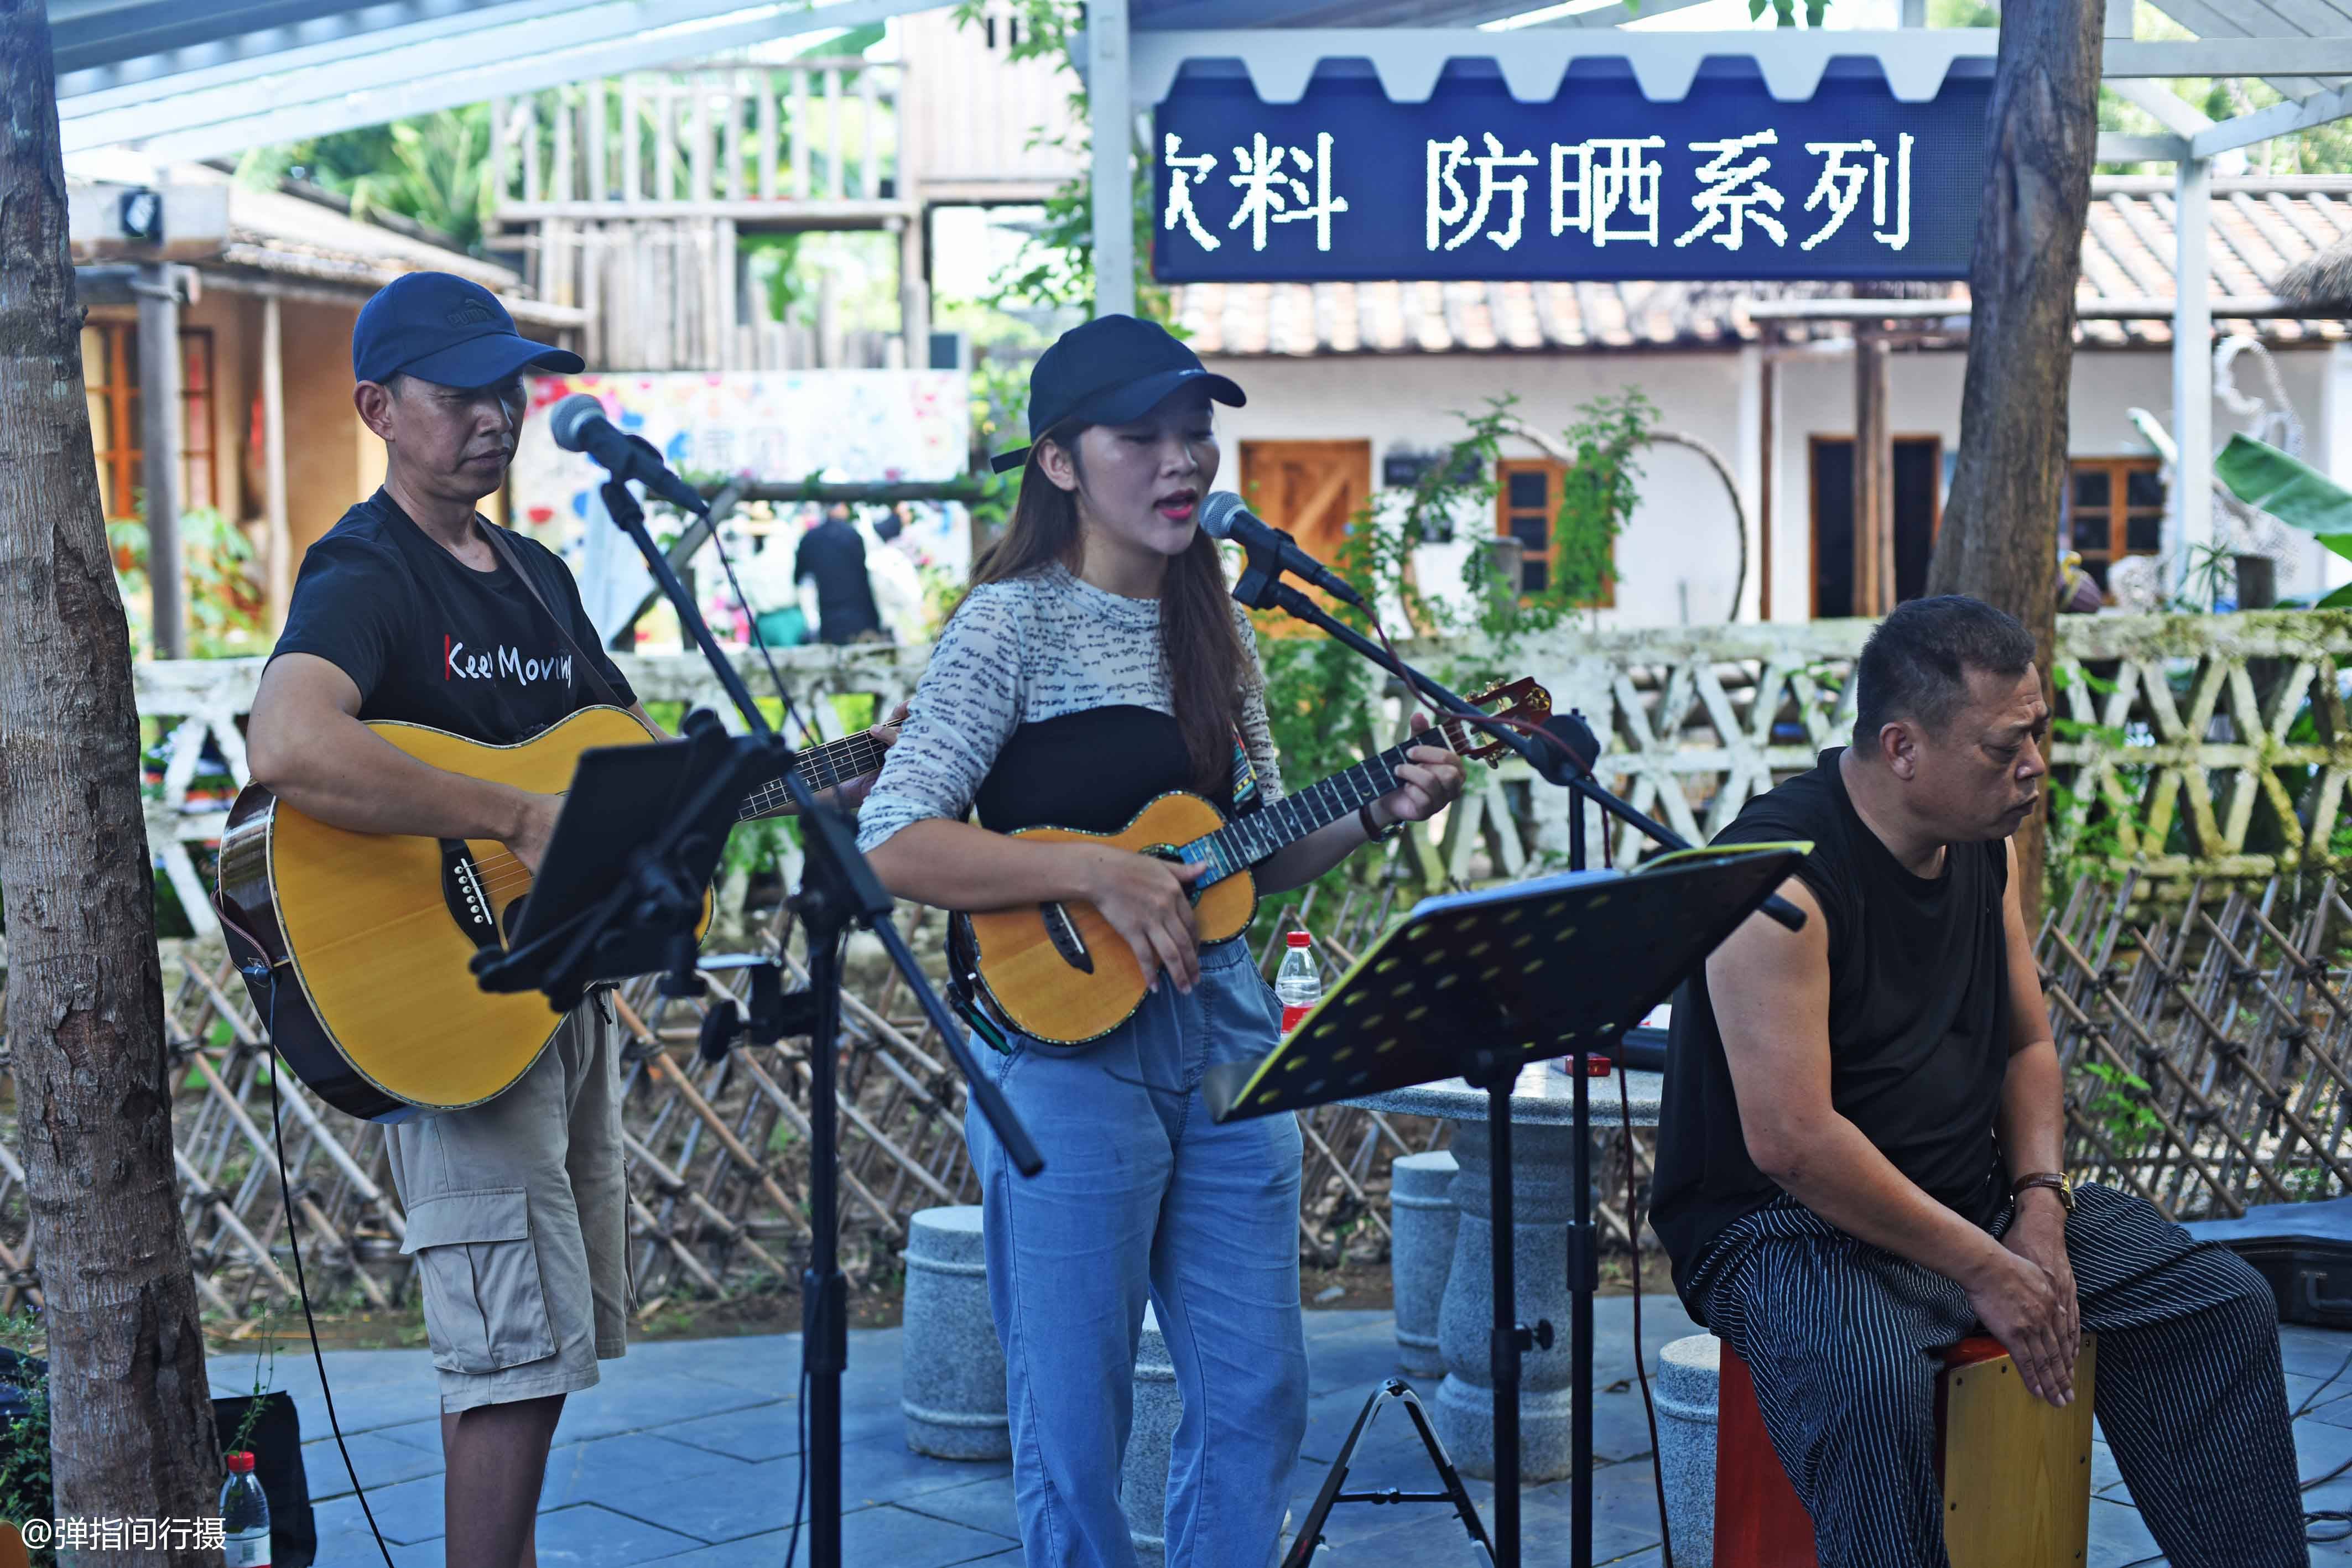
(833, 867)
(1262, 588)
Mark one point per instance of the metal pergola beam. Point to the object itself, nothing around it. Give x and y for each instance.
(2269, 58)
(329, 40)
(2279, 120)
(96, 32)
(428, 80)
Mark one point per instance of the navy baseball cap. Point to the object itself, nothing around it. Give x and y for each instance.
(441, 328)
(1110, 370)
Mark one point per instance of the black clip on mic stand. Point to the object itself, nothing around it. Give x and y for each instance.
(1261, 588)
(838, 888)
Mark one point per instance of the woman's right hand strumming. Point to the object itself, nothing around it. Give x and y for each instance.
(1148, 901)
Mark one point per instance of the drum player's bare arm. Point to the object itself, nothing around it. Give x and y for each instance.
(306, 744)
(1770, 989)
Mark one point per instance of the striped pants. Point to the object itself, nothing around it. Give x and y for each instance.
(1841, 1335)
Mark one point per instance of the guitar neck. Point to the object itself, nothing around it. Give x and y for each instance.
(825, 767)
(1246, 841)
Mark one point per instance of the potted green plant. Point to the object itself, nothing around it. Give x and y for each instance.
(25, 1492)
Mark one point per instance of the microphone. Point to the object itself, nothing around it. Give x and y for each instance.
(578, 425)
(1222, 516)
(1573, 748)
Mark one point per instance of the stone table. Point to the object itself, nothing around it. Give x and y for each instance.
(1543, 1199)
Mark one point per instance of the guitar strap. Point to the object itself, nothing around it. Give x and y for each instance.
(513, 559)
(600, 992)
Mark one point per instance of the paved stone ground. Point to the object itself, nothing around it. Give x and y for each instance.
(687, 1453)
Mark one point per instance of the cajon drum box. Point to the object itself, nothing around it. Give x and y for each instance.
(2016, 1472)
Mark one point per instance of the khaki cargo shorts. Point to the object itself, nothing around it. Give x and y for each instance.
(517, 1218)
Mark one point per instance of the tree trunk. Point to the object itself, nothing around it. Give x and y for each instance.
(130, 1411)
(1999, 536)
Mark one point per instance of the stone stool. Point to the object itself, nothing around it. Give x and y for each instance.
(1423, 1219)
(1465, 1406)
(1143, 1481)
(1688, 1371)
(952, 1370)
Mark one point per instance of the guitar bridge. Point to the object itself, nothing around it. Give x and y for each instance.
(1064, 931)
(468, 900)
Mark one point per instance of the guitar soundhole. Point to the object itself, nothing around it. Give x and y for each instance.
(1064, 931)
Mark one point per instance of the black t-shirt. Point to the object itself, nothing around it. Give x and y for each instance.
(428, 640)
(1918, 1024)
(833, 555)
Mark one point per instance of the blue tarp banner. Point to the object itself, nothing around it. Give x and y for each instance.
(1598, 183)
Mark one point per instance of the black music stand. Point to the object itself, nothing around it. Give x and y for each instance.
(1477, 985)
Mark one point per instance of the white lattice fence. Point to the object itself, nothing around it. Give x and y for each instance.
(2214, 746)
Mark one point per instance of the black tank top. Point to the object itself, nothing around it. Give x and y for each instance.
(1095, 770)
(1920, 1021)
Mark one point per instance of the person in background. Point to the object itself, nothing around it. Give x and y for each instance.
(833, 556)
(898, 587)
(770, 590)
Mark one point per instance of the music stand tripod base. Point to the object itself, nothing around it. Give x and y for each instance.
(1311, 1533)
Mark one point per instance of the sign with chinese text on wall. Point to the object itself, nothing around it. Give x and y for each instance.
(1600, 182)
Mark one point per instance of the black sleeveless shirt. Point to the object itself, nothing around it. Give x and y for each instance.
(1918, 1024)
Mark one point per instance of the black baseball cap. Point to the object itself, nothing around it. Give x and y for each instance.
(1108, 372)
(441, 328)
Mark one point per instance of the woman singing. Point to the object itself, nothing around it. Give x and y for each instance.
(1097, 663)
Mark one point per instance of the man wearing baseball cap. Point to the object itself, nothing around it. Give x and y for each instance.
(416, 607)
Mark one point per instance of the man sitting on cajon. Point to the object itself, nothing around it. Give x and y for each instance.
(1860, 1158)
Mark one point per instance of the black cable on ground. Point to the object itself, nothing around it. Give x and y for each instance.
(302, 1286)
(1641, 1356)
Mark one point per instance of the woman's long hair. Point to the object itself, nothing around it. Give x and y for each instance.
(1204, 654)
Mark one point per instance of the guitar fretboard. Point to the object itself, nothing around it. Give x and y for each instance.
(1246, 840)
(825, 767)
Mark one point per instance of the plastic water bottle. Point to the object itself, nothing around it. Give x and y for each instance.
(1299, 984)
(245, 1516)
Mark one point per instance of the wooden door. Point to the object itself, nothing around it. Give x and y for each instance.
(1312, 488)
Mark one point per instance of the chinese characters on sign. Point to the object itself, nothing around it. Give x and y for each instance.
(1471, 184)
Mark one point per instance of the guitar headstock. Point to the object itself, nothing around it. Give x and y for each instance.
(1521, 699)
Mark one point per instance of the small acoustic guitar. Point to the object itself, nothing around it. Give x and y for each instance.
(363, 939)
(1062, 974)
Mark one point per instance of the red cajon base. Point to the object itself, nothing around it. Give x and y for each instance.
(2015, 1472)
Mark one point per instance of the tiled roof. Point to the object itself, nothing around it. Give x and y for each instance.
(2126, 256)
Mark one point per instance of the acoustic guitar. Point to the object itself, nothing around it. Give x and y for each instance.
(1062, 974)
(356, 946)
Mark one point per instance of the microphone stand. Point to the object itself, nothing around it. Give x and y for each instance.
(838, 888)
(1261, 588)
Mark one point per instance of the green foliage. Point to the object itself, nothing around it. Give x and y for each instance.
(227, 615)
(1785, 11)
(2089, 833)
(434, 170)
(1056, 266)
(1598, 495)
(1000, 401)
(2119, 1105)
(27, 1492)
(2291, 490)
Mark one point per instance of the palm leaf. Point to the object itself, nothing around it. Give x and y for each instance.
(2289, 489)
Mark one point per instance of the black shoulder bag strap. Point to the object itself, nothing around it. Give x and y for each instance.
(513, 558)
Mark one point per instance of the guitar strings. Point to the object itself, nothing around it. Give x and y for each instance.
(501, 870)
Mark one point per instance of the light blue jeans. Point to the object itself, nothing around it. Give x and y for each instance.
(1143, 1196)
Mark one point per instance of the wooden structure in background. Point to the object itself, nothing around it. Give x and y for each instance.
(632, 198)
